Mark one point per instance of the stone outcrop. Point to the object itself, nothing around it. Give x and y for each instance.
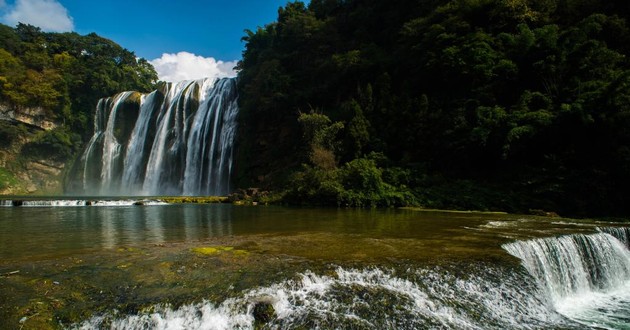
(23, 175)
(35, 116)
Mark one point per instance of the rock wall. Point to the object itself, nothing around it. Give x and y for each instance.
(20, 175)
(35, 116)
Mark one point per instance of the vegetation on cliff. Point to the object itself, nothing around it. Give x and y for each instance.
(66, 73)
(62, 75)
(481, 104)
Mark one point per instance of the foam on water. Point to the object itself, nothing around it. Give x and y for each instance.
(569, 282)
(364, 299)
(79, 202)
(585, 277)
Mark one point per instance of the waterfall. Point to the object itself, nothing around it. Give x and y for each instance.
(621, 233)
(176, 140)
(586, 277)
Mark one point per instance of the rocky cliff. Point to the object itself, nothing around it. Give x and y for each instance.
(21, 173)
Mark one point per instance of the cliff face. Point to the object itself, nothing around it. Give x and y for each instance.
(21, 174)
(35, 117)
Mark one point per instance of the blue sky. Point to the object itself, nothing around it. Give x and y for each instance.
(178, 35)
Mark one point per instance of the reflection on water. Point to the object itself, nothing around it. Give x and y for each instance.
(42, 232)
(59, 230)
(397, 268)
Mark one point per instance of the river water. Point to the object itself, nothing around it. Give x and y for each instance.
(117, 265)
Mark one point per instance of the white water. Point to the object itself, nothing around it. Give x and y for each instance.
(572, 282)
(111, 146)
(585, 277)
(621, 233)
(81, 202)
(181, 142)
(370, 298)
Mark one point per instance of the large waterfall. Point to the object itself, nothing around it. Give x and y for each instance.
(586, 277)
(177, 140)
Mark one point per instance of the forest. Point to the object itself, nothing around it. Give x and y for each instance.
(513, 105)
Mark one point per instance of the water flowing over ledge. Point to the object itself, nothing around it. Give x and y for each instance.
(177, 140)
(570, 282)
(585, 277)
(370, 298)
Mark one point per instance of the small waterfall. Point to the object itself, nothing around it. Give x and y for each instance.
(621, 233)
(176, 140)
(371, 298)
(586, 277)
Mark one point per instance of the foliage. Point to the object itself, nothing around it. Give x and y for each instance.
(7, 179)
(527, 97)
(358, 183)
(65, 73)
(58, 144)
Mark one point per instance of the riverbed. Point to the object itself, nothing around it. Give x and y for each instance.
(114, 264)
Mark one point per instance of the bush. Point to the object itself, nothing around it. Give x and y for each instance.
(58, 144)
(359, 183)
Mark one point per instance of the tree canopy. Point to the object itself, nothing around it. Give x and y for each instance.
(66, 73)
(527, 98)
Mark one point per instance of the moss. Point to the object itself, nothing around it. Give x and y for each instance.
(241, 253)
(210, 250)
(7, 179)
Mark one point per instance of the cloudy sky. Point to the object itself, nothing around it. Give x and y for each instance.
(183, 39)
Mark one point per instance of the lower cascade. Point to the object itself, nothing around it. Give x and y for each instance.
(585, 277)
(579, 281)
(177, 140)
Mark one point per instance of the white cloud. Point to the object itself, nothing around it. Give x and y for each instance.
(188, 66)
(49, 15)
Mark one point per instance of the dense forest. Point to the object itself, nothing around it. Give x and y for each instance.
(473, 104)
(64, 74)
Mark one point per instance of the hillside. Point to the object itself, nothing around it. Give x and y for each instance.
(49, 86)
(469, 104)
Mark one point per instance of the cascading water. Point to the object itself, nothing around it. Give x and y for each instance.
(621, 233)
(177, 140)
(370, 298)
(569, 282)
(586, 277)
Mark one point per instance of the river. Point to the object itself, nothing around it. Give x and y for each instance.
(113, 264)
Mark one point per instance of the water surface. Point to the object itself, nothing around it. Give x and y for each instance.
(208, 266)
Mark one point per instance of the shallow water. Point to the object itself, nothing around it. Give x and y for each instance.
(207, 266)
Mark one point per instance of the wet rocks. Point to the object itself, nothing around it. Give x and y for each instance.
(263, 313)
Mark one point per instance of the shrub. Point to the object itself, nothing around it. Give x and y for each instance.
(358, 183)
(58, 144)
